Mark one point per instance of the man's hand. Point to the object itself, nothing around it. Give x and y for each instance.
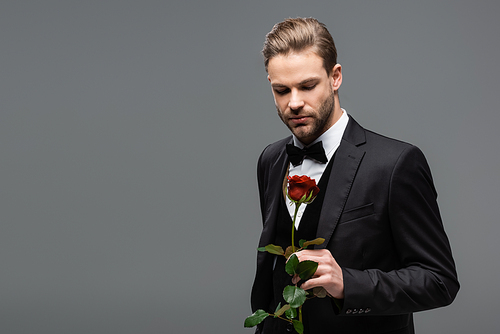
(328, 275)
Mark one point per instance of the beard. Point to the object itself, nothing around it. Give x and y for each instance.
(320, 121)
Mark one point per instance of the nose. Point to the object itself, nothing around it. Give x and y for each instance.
(296, 102)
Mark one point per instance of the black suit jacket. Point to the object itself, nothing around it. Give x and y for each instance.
(381, 222)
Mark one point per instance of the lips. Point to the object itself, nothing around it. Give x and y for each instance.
(299, 119)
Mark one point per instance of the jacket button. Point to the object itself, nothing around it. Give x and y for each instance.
(354, 311)
(289, 327)
(367, 310)
(348, 311)
(361, 311)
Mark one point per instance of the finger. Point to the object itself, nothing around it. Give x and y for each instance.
(311, 283)
(308, 255)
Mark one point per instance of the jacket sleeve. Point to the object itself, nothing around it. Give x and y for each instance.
(425, 277)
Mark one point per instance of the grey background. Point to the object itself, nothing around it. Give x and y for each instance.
(130, 131)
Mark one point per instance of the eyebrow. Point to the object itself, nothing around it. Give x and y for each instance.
(308, 80)
(303, 82)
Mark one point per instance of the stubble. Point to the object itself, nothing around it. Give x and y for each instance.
(320, 121)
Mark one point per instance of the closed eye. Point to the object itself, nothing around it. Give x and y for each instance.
(281, 91)
(309, 87)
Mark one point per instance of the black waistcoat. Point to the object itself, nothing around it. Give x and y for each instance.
(307, 230)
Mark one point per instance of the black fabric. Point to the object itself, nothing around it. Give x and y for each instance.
(382, 225)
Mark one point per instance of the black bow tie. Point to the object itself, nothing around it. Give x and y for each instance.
(314, 152)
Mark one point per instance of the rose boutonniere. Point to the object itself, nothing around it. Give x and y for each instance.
(300, 190)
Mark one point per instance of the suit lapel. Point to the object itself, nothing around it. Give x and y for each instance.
(276, 177)
(345, 166)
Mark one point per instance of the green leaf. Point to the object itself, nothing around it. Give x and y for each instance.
(277, 307)
(273, 249)
(288, 251)
(291, 313)
(299, 327)
(306, 269)
(291, 265)
(317, 241)
(293, 295)
(282, 310)
(309, 196)
(320, 292)
(256, 318)
(302, 200)
(301, 243)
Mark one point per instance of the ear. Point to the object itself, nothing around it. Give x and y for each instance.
(336, 77)
(268, 78)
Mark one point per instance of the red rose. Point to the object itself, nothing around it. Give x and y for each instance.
(302, 189)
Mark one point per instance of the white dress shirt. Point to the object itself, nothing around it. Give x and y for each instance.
(331, 140)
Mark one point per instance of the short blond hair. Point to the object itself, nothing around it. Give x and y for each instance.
(295, 35)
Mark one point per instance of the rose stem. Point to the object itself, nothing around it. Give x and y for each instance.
(293, 226)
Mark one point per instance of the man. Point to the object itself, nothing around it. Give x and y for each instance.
(385, 254)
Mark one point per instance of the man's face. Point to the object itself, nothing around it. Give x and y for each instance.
(303, 94)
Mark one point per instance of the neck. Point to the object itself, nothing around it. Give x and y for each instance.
(337, 110)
